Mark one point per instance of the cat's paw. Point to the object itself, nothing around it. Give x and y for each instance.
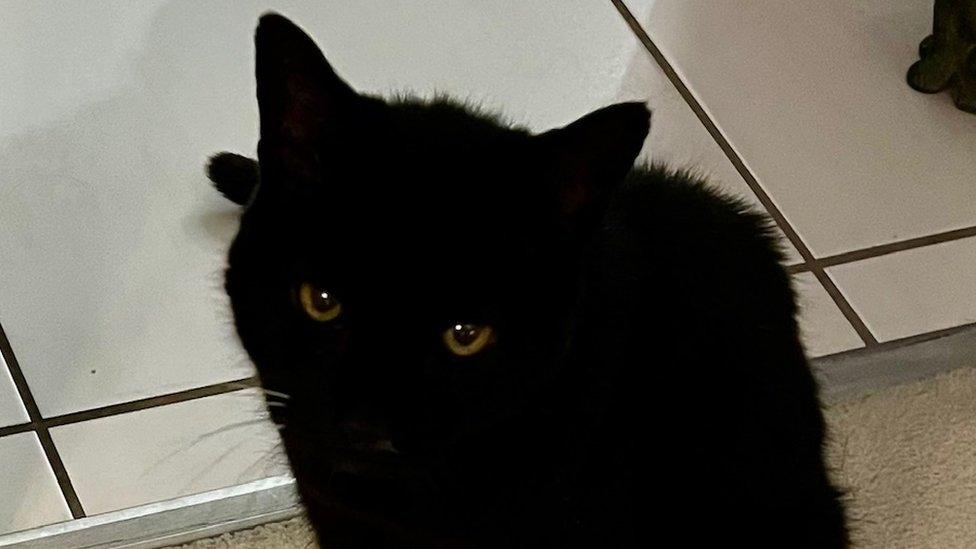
(235, 176)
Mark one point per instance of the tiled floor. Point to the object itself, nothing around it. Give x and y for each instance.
(28, 490)
(12, 410)
(112, 243)
(170, 451)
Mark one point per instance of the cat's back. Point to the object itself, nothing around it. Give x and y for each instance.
(688, 283)
(677, 246)
(692, 318)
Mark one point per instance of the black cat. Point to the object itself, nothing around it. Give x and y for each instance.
(489, 338)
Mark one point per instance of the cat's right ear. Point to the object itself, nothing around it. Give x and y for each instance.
(589, 158)
(300, 98)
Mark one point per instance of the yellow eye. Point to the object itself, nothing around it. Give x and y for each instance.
(468, 339)
(319, 304)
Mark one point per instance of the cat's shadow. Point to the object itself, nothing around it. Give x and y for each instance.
(220, 225)
(112, 239)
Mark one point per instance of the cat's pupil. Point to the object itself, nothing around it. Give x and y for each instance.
(466, 334)
(322, 301)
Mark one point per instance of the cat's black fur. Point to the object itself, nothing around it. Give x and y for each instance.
(647, 386)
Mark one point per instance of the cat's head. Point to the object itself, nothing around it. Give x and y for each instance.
(405, 270)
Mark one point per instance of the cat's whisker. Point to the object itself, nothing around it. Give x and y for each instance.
(276, 404)
(250, 383)
(239, 360)
(223, 455)
(276, 393)
(230, 427)
(262, 418)
(273, 458)
(254, 383)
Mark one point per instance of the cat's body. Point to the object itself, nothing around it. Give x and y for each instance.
(495, 339)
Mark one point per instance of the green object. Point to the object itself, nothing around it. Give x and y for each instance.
(948, 55)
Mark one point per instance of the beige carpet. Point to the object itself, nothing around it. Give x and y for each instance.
(906, 455)
(293, 534)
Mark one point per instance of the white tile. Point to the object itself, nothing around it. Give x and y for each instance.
(823, 328)
(914, 291)
(677, 137)
(170, 451)
(29, 493)
(12, 410)
(113, 243)
(813, 96)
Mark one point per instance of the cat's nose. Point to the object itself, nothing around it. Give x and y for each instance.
(369, 436)
(360, 430)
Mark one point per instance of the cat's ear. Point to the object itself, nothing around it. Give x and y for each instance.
(300, 97)
(588, 158)
(235, 176)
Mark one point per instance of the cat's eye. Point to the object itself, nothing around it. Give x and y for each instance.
(318, 303)
(468, 339)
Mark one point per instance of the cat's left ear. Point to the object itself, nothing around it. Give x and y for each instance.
(590, 157)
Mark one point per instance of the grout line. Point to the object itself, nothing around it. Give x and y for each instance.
(880, 250)
(152, 402)
(771, 208)
(60, 471)
(16, 429)
(844, 305)
(893, 247)
(41, 425)
(900, 342)
(888, 248)
(37, 424)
